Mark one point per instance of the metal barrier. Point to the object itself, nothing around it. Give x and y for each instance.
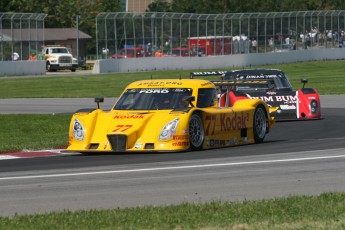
(21, 34)
(183, 34)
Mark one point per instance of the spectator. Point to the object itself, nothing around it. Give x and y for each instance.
(32, 57)
(254, 45)
(105, 52)
(15, 56)
(158, 53)
(271, 43)
(293, 45)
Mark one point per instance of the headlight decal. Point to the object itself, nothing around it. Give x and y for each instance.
(78, 130)
(314, 107)
(169, 130)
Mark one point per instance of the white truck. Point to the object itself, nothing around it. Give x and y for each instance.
(59, 58)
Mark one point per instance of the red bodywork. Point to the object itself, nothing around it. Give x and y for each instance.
(182, 52)
(232, 99)
(210, 45)
(307, 98)
(131, 53)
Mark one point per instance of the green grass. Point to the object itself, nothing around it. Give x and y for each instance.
(294, 212)
(19, 132)
(326, 76)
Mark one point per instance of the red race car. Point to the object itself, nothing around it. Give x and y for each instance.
(272, 86)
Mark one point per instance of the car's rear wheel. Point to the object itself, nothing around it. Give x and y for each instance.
(196, 132)
(260, 125)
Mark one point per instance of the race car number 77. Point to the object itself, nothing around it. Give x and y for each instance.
(122, 128)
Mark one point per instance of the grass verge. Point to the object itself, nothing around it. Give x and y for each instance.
(294, 212)
(19, 132)
(326, 76)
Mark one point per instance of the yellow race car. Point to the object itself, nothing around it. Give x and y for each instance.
(169, 116)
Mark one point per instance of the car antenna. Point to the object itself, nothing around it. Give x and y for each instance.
(180, 77)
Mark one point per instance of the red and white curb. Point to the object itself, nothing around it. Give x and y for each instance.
(32, 154)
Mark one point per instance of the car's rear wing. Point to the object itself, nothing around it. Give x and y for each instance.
(206, 73)
(243, 86)
(243, 82)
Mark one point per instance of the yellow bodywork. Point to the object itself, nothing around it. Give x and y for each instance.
(140, 130)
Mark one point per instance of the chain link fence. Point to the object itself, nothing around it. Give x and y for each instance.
(125, 35)
(21, 34)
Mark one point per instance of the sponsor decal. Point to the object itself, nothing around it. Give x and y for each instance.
(159, 83)
(180, 137)
(180, 143)
(207, 83)
(78, 130)
(158, 90)
(222, 143)
(233, 141)
(133, 116)
(271, 93)
(233, 121)
(210, 142)
(208, 73)
(261, 76)
(287, 107)
(226, 121)
(288, 99)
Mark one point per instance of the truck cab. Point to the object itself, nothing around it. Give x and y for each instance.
(59, 58)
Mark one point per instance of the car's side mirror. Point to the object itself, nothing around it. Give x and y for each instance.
(99, 100)
(304, 81)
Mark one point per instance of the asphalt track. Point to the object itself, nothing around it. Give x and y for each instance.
(296, 158)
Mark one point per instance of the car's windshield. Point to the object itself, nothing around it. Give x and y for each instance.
(153, 99)
(60, 50)
(280, 79)
(283, 82)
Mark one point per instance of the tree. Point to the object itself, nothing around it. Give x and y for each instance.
(4, 5)
(159, 6)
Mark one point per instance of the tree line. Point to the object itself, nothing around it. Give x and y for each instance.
(63, 13)
(243, 6)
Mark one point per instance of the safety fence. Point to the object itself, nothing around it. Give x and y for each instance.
(126, 35)
(21, 34)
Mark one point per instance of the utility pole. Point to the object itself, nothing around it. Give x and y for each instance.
(77, 21)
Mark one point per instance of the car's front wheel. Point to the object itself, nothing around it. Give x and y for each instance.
(196, 132)
(48, 67)
(260, 125)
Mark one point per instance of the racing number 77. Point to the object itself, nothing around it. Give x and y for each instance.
(121, 128)
(210, 124)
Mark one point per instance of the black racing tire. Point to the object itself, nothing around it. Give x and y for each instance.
(260, 124)
(196, 132)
